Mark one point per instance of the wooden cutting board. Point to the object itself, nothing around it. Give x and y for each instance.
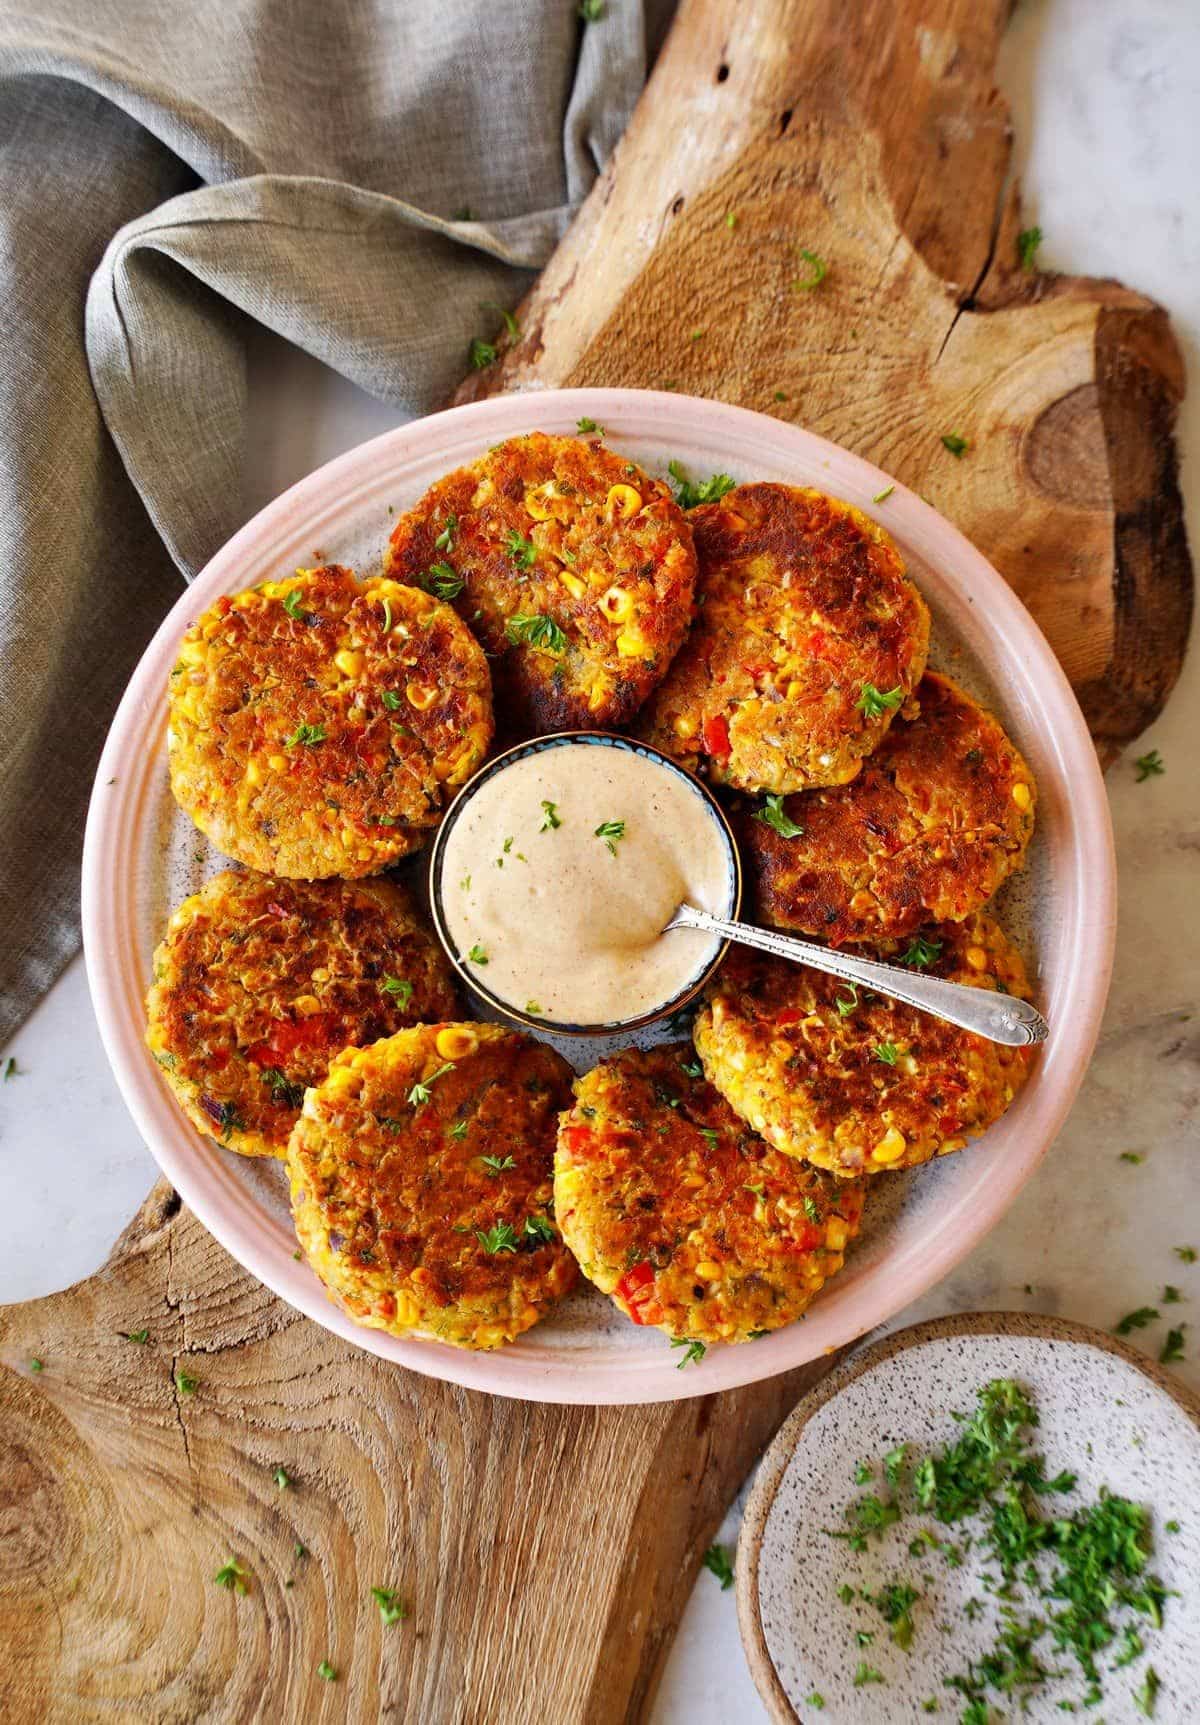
(546, 1553)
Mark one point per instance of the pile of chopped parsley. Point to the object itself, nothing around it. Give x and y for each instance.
(1072, 1594)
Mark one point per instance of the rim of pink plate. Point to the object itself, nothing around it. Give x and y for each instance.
(1012, 649)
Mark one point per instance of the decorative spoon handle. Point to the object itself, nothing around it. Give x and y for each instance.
(999, 1017)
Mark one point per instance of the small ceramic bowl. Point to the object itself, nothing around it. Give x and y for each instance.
(731, 902)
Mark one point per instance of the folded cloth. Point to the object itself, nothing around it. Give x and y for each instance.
(357, 176)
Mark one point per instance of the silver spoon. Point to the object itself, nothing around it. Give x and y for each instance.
(998, 1017)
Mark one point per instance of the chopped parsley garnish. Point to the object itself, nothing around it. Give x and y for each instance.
(731, 219)
(816, 1699)
(586, 426)
(444, 580)
(882, 496)
(326, 1670)
(1028, 241)
(501, 1238)
(886, 1052)
(1172, 1348)
(1149, 766)
(138, 1336)
(956, 443)
(477, 955)
(308, 735)
(716, 1561)
(693, 1068)
(760, 1191)
(846, 1003)
(520, 551)
(481, 354)
(391, 700)
(282, 1478)
(35, 1366)
(510, 322)
(1145, 1697)
(688, 493)
(551, 818)
(818, 267)
(537, 631)
(873, 702)
(397, 988)
(894, 1604)
(693, 1350)
(1131, 1156)
(459, 1129)
(812, 1209)
(1136, 1320)
(419, 1094)
(922, 952)
(610, 832)
(283, 1091)
(391, 1607)
(11, 1070)
(867, 1674)
(1185, 1254)
(774, 815)
(539, 1228)
(186, 1385)
(231, 1575)
(293, 604)
(535, 1007)
(591, 11)
(711, 1133)
(497, 1164)
(445, 539)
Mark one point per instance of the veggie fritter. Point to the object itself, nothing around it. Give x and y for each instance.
(260, 982)
(940, 815)
(318, 724)
(810, 639)
(849, 1080)
(422, 1183)
(575, 569)
(675, 1208)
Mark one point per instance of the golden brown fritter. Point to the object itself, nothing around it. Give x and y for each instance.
(810, 638)
(319, 724)
(940, 815)
(259, 982)
(682, 1214)
(422, 1183)
(575, 569)
(851, 1081)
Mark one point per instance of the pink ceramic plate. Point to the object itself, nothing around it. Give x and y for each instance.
(141, 856)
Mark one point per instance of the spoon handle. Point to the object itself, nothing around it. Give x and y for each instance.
(998, 1017)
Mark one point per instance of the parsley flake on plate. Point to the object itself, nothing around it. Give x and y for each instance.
(693, 1350)
(1149, 766)
(774, 815)
(477, 955)
(689, 493)
(610, 832)
(1136, 1320)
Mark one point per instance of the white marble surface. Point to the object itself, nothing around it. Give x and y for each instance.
(1105, 95)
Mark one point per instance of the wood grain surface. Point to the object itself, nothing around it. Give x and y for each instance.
(546, 1553)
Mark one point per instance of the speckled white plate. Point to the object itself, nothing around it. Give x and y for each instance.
(142, 856)
(1105, 1413)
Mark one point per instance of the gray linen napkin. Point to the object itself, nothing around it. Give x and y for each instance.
(302, 163)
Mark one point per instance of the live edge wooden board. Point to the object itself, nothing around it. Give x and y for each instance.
(546, 1553)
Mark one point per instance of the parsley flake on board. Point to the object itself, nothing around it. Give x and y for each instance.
(688, 493)
(326, 1670)
(1131, 1156)
(397, 988)
(818, 267)
(538, 631)
(1185, 1254)
(1028, 241)
(956, 443)
(391, 1607)
(716, 1561)
(141, 1337)
(1149, 766)
(774, 815)
(1135, 1320)
(187, 1386)
(873, 702)
(282, 1478)
(232, 1576)
(592, 11)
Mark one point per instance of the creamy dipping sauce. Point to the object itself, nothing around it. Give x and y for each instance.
(560, 871)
